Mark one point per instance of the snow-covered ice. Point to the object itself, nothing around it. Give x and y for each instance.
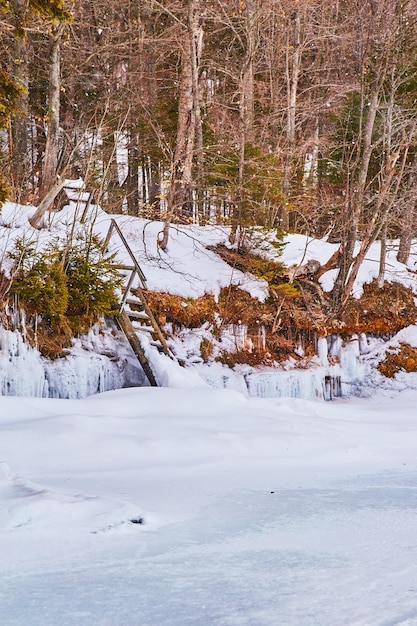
(201, 507)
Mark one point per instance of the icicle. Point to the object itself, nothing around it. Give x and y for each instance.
(322, 351)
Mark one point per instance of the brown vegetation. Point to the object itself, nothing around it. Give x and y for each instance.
(295, 314)
(380, 311)
(179, 311)
(51, 342)
(403, 359)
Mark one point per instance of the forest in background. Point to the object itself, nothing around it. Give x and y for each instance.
(298, 116)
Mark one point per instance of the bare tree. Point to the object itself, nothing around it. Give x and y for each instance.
(378, 158)
(180, 196)
(52, 148)
(18, 136)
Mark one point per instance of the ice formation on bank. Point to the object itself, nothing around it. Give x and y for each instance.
(101, 361)
(336, 371)
(339, 369)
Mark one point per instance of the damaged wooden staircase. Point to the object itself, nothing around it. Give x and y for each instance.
(135, 317)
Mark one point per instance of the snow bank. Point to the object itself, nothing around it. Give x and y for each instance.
(98, 362)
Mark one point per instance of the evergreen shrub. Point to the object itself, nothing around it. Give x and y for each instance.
(67, 285)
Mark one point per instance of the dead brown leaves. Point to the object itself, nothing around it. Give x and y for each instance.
(403, 359)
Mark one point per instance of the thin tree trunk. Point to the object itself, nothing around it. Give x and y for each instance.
(196, 44)
(293, 68)
(382, 256)
(132, 178)
(50, 162)
(407, 232)
(18, 137)
(180, 197)
(154, 187)
(380, 213)
(112, 199)
(407, 223)
(354, 204)
(246, 118)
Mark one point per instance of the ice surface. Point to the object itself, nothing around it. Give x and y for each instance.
(253, 512)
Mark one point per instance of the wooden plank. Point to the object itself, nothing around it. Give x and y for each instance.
(115, 226)
(158, 331)
(133, 320)
(126, 326)
(141, 327)
(137, 315)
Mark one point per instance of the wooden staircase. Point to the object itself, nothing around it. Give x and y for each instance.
(135, 317)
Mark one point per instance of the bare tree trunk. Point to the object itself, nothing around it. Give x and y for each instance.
(18, 137)
(180, 197)
(50, 163)
(196, 34)
(246, 117)
(407, 232)
(382, 208)
(112, 192)
(355, 203)
(132, 178)
(407, 228)
(181, 185)
(293, 68)
(154, 187)
(382, 257)
(44, 205)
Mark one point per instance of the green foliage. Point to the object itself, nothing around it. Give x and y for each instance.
(4, 190)
(9, 97)
(266, 240)
(53, 9)
(44, 288)
(286, 290)
(77, 282)
(347, 142)
(41, 282)
(92, 281)
(10, 93)
(268, 270)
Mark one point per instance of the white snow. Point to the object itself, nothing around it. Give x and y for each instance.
(190, 505)
(187, 268)
(300, 249)
(171, 507)
(103, 362)
(98, 362)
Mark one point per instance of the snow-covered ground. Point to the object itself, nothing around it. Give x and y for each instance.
(169, 507)
(195, 506)
(103, 360)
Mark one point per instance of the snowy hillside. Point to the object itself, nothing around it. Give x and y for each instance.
(190, 268)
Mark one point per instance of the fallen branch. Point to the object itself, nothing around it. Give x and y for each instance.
(44, 205)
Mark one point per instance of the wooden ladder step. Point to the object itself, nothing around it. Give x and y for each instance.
(158, 345)
(136, 302)
(137, 315)
(130, 332)
(145, 329)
